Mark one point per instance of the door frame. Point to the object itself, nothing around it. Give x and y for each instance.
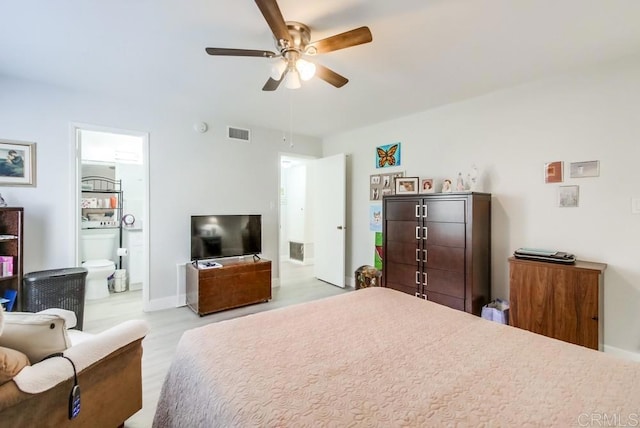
(75, 188)
(280, 156)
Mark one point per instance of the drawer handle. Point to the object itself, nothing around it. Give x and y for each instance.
(417, 232)
(417, 295)
(417, 278)
(425, 278)
(424, 253)
(417, 211)
(425, 231)
(424, 296)
(417, 255)
(424, 210)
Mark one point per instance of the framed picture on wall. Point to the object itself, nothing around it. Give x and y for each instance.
(17, 163)
(568, 196)
(382, 184)
(388, 155)
(553, 172)
(584, 169)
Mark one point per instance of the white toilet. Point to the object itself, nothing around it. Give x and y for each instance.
(96, 251)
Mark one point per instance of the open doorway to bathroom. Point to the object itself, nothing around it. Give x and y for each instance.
(296, 221)
(112, 198)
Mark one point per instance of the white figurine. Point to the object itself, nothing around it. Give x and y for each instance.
(473, 178)
(460, 183)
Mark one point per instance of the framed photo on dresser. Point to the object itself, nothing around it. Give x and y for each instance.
(406, 185)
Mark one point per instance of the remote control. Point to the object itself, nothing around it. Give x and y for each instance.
(74, 402)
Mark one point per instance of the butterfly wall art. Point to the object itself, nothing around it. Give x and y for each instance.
(388, 155)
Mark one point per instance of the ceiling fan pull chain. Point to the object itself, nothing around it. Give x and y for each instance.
(291, 119)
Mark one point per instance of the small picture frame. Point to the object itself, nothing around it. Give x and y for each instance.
(426, 185)
(553, 172)
(568, 196)
(406, 185)
(447, 185)
(17, 163)
(584, 169)
(375, 194)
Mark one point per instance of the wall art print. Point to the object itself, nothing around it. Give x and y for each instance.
(388, 155)
(553, 172)
(375, 217)
(17, 163)
(382, 184)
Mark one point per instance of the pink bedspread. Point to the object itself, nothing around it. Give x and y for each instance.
(378, 357)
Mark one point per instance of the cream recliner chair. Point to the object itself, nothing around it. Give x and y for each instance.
(108, 367)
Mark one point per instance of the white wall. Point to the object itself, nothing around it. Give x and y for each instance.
(190, 173)
(582, 116)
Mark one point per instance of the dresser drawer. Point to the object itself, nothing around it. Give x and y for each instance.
(445, 282)
(403, 274)
(412, 290)
(445, 234)
(402, 231)
(403, 210)
(403, 252)
(445, 258)
(445, 211)
(443, 299)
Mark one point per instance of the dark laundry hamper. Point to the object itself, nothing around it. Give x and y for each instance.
(56, 288)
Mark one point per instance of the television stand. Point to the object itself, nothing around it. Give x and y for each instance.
(236, 283)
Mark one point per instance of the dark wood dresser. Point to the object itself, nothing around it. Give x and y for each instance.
(236, 283)
(438, 247)
(565, 302)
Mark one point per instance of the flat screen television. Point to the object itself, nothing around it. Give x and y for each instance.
(216, 236)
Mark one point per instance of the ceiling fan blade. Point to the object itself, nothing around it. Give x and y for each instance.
(347, 39)
(240, 52)
(330, 76)
(273, 16)
(272, 84)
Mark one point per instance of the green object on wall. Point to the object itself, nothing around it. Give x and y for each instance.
(377, 263)
(377, 257)
(378, 239)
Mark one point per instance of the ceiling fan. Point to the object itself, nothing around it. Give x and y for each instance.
(293, 43)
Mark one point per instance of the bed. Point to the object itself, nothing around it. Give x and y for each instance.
(378, 357)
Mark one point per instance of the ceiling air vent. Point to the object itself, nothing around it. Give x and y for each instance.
(238, 134)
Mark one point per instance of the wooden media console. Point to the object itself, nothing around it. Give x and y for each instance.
(237, 283)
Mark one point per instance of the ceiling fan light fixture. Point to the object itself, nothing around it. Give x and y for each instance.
(277, 68)
(306, 69)
(292, 80)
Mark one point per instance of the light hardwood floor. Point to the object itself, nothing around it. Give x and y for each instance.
(296, 285)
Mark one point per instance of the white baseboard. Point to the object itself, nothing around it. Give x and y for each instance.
(629, 355)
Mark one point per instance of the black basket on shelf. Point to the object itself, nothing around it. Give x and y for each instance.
(56, 288)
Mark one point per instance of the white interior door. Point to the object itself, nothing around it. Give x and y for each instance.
(330, 217)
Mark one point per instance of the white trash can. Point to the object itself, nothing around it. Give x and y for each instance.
(120, 280)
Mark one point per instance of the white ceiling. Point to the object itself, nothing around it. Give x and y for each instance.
(425, 53)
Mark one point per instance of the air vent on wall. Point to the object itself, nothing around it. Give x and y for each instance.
(238, 134)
